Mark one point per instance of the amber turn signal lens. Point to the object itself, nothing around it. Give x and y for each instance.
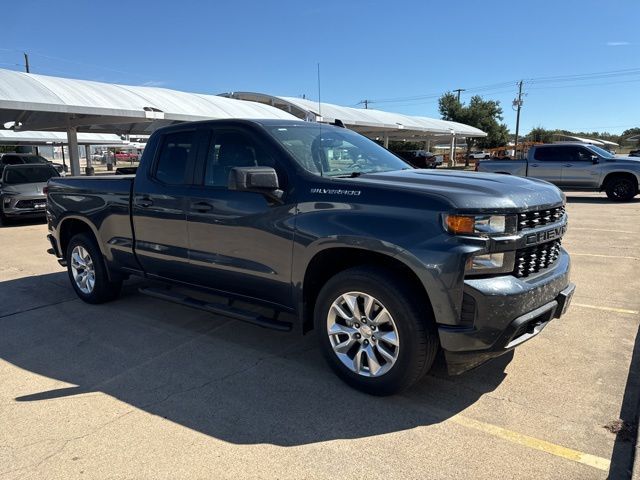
(460, 223)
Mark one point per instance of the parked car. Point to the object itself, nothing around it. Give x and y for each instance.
(420, 158)
(634, 153)
(389, 264)
(479, 155)
(22, 190)
(575, 166)
(22, 158)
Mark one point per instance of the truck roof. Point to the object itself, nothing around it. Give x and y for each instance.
(244, 121)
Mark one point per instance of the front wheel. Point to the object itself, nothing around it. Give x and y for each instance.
(87, 271)
(374, 332)
(621, 189)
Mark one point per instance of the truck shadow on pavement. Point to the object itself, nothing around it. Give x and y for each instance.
(224, 378)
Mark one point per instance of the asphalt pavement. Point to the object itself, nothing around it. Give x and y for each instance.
(142, 388)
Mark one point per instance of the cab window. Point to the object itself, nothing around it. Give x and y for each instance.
(229, 149)
(171, 166)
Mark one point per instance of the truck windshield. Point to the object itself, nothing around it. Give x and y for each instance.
(35, 174)
(335, 152)
(601, 151)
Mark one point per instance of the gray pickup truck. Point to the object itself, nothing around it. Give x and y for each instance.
(325, 230)
(575, 166)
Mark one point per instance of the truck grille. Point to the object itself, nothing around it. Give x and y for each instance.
(540, 218)
(533, 259)
(30, 203)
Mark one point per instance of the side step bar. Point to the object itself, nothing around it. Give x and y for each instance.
(217, 308)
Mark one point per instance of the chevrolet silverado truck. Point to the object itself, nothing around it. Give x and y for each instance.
(575, 166)
(323, 230)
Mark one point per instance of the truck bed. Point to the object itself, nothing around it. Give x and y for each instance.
(106, 202)
(511, 167)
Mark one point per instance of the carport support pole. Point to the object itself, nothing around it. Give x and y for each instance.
(74, 158)
(87, 153)
(386, 142)
(452, 150)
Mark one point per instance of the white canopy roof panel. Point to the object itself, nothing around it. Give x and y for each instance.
(583, 140)
(9, 137)
(39, 102)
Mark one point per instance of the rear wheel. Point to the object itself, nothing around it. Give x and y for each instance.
(621, 189)
(373, 331)
(87, 271)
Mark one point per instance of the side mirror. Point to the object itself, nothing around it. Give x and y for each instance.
(595, 159)
(255, 179)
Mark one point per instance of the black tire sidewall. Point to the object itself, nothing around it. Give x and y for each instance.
(103, 290)
(611, 186)
(416, 335)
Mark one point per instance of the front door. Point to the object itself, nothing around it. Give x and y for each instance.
(239, 242)
(578, 169)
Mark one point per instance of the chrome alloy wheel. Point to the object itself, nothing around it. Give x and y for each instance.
(82, 269)
(363, 334)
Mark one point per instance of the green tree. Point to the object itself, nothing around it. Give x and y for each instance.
(540, 134)
(483, 114)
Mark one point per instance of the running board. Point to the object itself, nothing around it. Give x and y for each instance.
(217, 308)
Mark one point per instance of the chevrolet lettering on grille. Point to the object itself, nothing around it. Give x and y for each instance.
(546, 235)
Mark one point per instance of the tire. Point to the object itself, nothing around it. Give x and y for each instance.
(4, 220)
(621, 189)
(410, 326)
(87, 271)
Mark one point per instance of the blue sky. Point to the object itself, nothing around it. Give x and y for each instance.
(366, 50)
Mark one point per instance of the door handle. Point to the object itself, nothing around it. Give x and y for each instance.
(144, 202)
(533, 165)
(201, 207)
(568, 165)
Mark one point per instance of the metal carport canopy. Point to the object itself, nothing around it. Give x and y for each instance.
(39, 102)
(370, 122)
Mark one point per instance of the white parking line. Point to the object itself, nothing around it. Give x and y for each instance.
(573, 254)
(606, 309)
(603, 230)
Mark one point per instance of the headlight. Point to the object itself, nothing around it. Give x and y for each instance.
(480, 224)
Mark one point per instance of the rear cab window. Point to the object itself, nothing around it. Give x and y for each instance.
(176, 149)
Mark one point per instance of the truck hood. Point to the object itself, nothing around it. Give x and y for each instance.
(472, 191)
(25, 188)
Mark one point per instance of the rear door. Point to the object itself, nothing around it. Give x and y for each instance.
(239, 242)
(546, 164)
(159, 199)
(578, 169)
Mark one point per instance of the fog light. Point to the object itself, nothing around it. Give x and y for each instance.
(489, 263)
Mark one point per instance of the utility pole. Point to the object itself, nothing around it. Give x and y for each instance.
(517, 103)
(26, 62)
(455, 141)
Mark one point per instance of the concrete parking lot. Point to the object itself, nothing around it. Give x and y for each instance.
(140, 388)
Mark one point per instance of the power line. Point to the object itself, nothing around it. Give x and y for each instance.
(537, 83)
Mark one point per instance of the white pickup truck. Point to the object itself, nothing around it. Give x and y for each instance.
(575, 166)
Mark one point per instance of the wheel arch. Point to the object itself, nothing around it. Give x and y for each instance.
(71, 226)
(330, 261)
(616, 174)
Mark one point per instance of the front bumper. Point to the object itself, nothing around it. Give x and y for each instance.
(504, 312)
(24, 205)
